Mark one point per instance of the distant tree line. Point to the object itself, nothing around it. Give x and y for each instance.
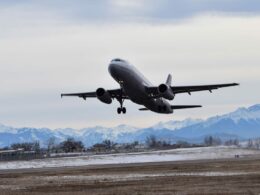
(110, 146)
(254, 143)
(27, 146)
(154, 143)
(68, 146)
(216, 141)
(22, 151)
(71, 145)
(232, 142)
(212, 141)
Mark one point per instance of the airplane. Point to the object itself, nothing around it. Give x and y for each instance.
(135, 87)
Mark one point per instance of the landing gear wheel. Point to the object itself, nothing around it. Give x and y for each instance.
(124, 110)
(119, 110)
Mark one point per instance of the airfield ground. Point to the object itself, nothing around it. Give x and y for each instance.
(207, 176)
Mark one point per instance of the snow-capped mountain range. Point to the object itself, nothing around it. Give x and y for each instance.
(243, 123)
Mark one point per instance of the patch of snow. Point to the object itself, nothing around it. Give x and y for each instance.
(139, 176)
(144, 157)
(11, 187)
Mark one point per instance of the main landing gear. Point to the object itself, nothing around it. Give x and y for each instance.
(121, 109)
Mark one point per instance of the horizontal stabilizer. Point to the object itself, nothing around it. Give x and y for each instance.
(177, 107)
(185, 106)
(143, 109)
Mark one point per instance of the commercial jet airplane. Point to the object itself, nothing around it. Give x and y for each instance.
(134, 86)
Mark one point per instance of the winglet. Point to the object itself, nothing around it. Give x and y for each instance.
(232, 84)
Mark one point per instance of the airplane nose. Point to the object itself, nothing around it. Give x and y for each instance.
(111, 68)
(116, 69)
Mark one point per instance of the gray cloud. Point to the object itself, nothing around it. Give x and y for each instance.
(135, 10)
(49, 47)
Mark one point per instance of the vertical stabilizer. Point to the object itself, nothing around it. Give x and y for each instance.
(169, 80)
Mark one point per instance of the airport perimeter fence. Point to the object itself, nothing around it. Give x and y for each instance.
(20, 155)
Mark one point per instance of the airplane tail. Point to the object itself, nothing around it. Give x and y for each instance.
(169, 80)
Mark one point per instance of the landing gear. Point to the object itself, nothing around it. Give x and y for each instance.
(121, 109)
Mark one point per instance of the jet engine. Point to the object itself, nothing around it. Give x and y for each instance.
(103, 96)
(166, 92)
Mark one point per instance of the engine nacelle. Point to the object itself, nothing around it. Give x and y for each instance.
(166, 92)
(103, 96)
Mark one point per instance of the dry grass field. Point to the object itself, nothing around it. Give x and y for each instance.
(227, 176)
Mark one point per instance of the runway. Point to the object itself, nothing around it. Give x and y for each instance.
(197, 176)
(184, 154)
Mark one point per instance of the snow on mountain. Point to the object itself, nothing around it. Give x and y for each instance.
(97, 134)
(4, 129)
(173, 125)
(249, 114)
(124, 129)
(252, 113)
(243, 123)
(25, 135)
(115, 131)
(68, 132)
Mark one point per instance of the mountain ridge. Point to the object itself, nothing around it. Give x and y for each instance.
(242, 123)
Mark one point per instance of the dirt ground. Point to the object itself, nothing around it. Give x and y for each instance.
(232, 176)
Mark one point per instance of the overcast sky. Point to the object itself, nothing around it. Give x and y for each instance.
(54, 46)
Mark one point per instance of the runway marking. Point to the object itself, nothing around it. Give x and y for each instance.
(127, 177)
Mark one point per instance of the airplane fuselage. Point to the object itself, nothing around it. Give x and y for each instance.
(134, 84)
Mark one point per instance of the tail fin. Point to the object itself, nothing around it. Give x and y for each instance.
(169, 80)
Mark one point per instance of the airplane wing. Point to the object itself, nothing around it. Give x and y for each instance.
(80, 95)
(115, 93)
(153, 91)
(189, 89)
